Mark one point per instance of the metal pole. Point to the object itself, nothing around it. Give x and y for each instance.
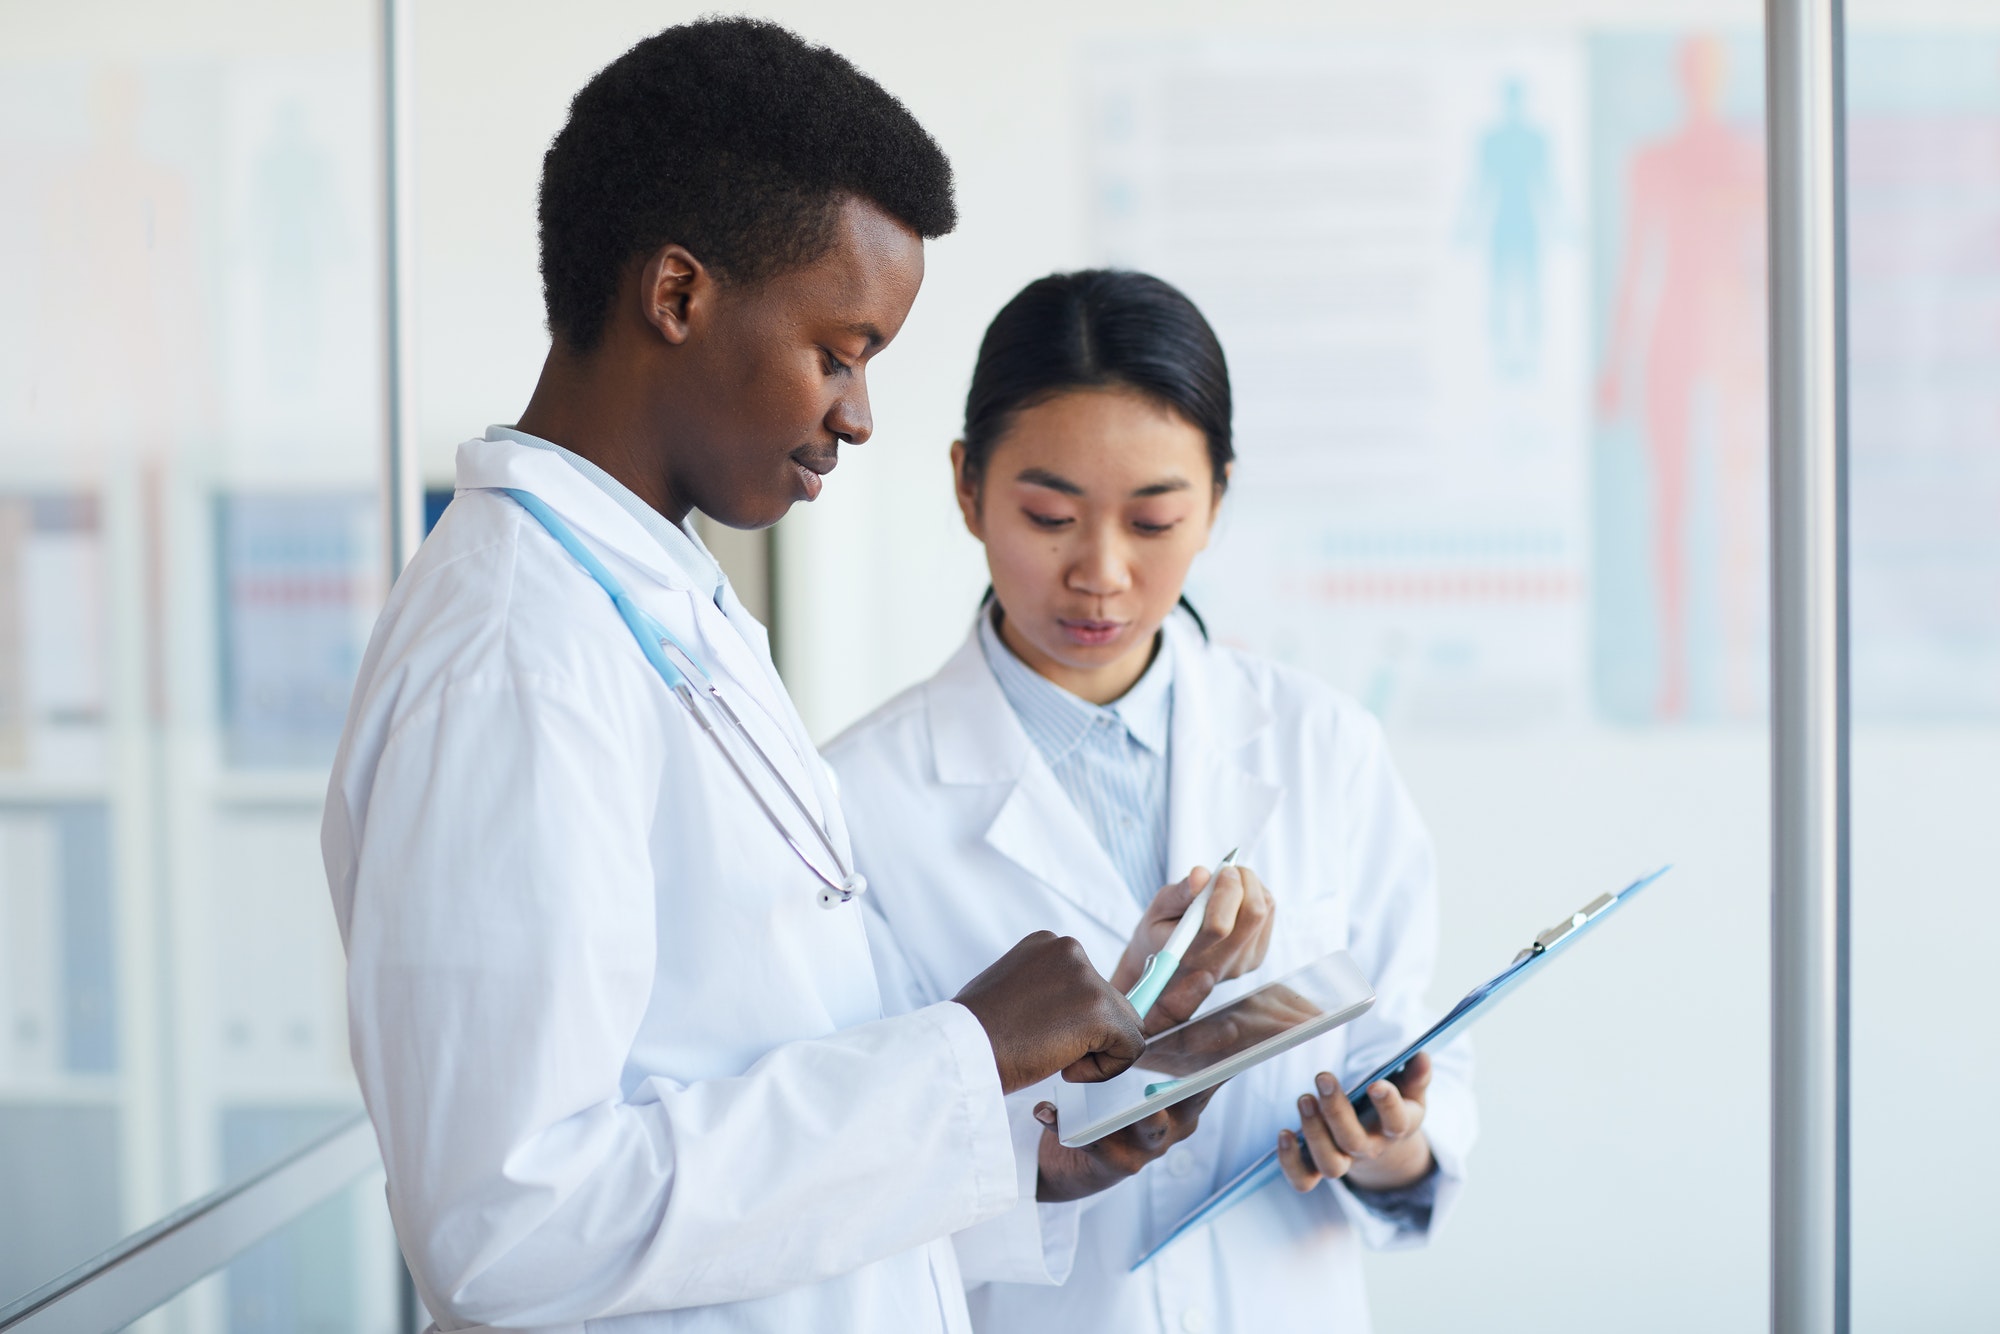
(1809, 917)
(402, 483)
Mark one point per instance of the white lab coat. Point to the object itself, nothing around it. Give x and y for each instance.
(969, 842)
(624, 1068)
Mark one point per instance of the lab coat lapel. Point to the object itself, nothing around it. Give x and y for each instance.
(592, 514)
(734, 646)
(1213, 802)
(976, 739)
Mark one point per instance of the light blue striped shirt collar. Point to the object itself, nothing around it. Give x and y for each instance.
(1057, 721)
(679, 541)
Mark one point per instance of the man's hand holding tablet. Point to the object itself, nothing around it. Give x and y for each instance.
(1234, 937)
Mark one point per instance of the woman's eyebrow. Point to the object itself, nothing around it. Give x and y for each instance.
(1053, 481)
(1161, 488)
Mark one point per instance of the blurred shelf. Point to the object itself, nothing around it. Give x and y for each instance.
(310, 1095)
(63, 1090)
(25, 787)
(270, 787)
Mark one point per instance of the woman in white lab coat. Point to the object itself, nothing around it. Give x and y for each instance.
(1088, 743)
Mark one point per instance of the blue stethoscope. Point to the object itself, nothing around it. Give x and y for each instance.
(654, 641)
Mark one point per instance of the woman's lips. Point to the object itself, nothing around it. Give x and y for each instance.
(1090, 633)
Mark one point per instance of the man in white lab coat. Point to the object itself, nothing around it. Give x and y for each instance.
(625, 1067)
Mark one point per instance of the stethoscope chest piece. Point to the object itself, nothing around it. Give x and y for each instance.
(850, 885)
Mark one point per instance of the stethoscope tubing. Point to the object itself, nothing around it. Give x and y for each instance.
(654, 639)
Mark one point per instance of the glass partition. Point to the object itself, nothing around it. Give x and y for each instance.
(1923, 217)
(332, 1270)
(190, 559)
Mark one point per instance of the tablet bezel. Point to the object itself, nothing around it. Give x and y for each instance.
(1072, 1100)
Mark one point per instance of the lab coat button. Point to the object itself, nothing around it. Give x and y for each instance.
(1194, 1320)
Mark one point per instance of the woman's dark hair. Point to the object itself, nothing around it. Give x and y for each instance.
(1092, 329)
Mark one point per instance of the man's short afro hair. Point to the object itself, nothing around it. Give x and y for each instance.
(734, 138)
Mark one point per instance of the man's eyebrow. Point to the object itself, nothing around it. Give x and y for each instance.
(869, 332)
(1161, 488)
(1053, 481)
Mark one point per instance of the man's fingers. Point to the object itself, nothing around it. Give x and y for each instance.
(1325, 1154)
(1186, 1113)
(1292, 1159)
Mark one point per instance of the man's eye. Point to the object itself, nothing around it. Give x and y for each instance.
(834, 365)
(1046, 520)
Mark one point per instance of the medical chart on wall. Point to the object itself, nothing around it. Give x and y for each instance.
(1495, 317)
(1923, 160)
(211, 230)
(1679, 422)
(1390, 240)
(1680, 496)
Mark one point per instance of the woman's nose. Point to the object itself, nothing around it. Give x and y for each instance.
(1100, 568)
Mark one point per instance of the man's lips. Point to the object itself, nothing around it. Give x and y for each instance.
(814, 463)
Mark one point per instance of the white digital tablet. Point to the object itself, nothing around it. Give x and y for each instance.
(1209, 1048)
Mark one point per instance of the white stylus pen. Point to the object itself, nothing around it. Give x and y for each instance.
(1160, 968)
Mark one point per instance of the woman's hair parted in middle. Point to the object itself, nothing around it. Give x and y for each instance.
(1098, 329)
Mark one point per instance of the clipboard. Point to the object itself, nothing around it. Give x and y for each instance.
(1475, 1003)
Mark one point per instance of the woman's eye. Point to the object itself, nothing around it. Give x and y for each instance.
(1046, 520)
(1153, 529)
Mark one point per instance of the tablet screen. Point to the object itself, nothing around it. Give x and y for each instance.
(1211, 1047)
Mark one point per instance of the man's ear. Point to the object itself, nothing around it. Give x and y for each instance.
(966, 489)
(675, 289)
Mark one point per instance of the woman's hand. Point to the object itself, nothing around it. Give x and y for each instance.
(1234, 937)
(1071, 1174)
(1333, 1140)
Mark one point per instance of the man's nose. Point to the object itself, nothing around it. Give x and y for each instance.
(850, 418)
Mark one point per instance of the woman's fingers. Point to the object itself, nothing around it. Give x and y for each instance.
(1298, 1169)
(1259, 912)
(1326, 1155)
(1397, 1115)
(1415, 1078)
(1171, 902)
(1223, 904)
(1342, 1121)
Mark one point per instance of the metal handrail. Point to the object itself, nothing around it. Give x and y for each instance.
(154, 1265)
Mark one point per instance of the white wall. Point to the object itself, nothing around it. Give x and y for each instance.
(1621, 1182)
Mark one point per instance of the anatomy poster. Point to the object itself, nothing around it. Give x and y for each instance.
(1680, 495)
(1390, 239)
